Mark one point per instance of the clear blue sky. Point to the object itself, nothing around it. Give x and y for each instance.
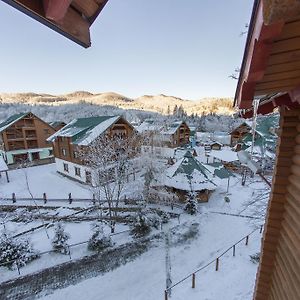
(182, 48)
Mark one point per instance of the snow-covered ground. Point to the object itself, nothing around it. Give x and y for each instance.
(144, 278)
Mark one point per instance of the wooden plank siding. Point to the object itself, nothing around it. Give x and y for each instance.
(278, 276)
(64, 148)
(27, 133)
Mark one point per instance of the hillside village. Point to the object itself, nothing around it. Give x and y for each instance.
(125, 182)
(104, 196)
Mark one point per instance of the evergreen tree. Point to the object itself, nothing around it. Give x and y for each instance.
(141, 225)
(99, 240)
(59, 242)
(175, 110)
(15, 252)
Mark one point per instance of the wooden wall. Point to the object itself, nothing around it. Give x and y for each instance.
(27, 133)
(278, 277)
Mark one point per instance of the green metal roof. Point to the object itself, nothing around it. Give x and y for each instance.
(82, 129)
(220, 171)
(189, 164)
(12, 119)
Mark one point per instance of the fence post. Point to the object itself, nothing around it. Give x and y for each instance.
(69, 252)
(217, 264)
(18, 267)
(233, 250)
(193, 280)
(14, 198)
(70, 198)
(261, 229)
(166, 295)
(45, 198)
(247, 240)
(94, 199)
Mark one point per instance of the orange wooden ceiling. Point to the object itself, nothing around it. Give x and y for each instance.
(73, 21)
(271, 62)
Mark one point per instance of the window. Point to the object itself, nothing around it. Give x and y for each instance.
(63, 152)
(66, 167)
(46, 131)
(88, 177)
(75, 154)
(77, 171)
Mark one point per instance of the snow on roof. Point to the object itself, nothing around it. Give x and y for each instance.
(148, 125)
(189, 174)
(172, 128)
(93, 133)
(3, 165)
(84, 130)
(219, 170)
(12, 119)
(224, 155)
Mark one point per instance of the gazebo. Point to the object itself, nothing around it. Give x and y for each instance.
(188, 175)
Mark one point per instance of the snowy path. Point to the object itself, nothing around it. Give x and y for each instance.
(145, 277)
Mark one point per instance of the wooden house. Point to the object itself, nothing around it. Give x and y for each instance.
(216, 146)
(189, 175)
(72, 19)
(177, 134)
(270, 67)
(24, 137)
(239, 133)
(57, 125)
(78, 134)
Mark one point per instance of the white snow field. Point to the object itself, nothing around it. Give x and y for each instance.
(145, 277)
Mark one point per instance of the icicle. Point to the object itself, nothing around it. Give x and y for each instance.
(254, 122)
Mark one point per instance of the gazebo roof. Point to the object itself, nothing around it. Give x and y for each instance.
(189, 174)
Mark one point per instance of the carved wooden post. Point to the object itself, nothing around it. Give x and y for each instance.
(193, 280)
(166, 295)
(233, 250)
(247, 240)
(45, 198)
(217, 264)
(14, 198)
(70, 198)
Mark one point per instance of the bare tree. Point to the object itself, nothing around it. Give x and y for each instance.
(109, 159)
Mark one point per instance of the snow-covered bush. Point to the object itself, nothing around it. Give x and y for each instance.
(255, 258)
(59, 242)
(141, 225)
(165, 217)
(191, 207)
(154, 220)
(15, 252)
(99, 240)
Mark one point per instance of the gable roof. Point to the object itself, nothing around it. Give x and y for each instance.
(189, 174)
(83, 131)
(11, 120)
(172, 128)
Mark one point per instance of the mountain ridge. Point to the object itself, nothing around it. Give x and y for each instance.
(161, 103)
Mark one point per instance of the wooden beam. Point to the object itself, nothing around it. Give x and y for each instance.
(278, 83)
(73, 26)
(281, 76)
(282, 58)
(88, 8)
(285, 67)
(286, 45)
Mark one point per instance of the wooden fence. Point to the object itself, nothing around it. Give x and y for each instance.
(15, 261)
(215, 261)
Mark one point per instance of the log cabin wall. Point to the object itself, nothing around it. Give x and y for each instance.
(27, 133)
(278, 277)
(64, 148)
